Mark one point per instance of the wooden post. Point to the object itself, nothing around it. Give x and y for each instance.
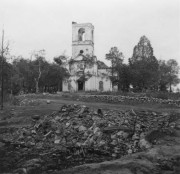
(2, 71)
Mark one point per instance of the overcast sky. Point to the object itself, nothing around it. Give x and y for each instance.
(46, 24)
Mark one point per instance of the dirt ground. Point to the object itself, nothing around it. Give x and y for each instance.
(166, 153)
(18, 116)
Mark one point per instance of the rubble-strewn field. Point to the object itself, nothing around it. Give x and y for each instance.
(46, 134)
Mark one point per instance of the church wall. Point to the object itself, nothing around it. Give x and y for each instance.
(73, 84)
(88, 49)
(75, 67)
(65, 86)
(107, 86)
(91, 84)
(83, 39)
(92, 70)
(104, 71)
(86, 44)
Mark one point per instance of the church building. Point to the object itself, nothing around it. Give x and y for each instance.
(86, 72)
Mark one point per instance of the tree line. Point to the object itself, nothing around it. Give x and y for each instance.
(143, 71)
(33, 75)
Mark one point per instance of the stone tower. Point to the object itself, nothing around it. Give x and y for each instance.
(82, 39)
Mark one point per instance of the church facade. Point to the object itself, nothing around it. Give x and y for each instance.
(86, 72)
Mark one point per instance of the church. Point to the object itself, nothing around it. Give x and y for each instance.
(86, 72)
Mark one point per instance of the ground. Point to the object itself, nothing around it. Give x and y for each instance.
(166, 153)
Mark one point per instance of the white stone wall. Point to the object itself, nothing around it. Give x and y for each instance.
(65, 86)
(75, 67)
(89, 28)
(87, 49)
(91, 84)
(73, 84)
(88, 44)
(107, 86)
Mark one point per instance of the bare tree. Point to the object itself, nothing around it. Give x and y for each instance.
(39, 55)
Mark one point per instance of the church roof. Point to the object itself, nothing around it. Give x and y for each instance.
(101, 65)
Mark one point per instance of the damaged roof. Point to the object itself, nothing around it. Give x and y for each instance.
(101, 65)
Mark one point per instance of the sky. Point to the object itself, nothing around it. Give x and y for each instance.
(47, 24)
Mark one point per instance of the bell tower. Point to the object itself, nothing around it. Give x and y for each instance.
(82, 39)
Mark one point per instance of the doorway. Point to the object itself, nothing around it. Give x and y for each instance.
(101, 86)
(80, 85)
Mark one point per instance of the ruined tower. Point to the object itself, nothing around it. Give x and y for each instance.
(82, 39)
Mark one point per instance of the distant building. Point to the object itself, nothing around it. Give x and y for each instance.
(86, 72)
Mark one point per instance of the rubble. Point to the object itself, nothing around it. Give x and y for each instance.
(76, 134)
(129, 100)
(48, 101)
(25, 101)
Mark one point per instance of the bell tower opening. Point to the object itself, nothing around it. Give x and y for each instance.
(81, 34)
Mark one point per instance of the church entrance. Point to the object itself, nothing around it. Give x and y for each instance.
(80, 85)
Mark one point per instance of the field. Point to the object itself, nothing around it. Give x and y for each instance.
(22, 113)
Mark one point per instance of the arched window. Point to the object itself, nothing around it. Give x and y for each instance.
(81, 34)
(101, 88)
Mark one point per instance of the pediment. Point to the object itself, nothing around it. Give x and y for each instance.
(79, 57)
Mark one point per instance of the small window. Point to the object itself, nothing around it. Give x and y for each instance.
(81, 51)
(80, 66)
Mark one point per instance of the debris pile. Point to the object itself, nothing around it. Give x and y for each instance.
(25, 101)
(76, 134)
(127, 99)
